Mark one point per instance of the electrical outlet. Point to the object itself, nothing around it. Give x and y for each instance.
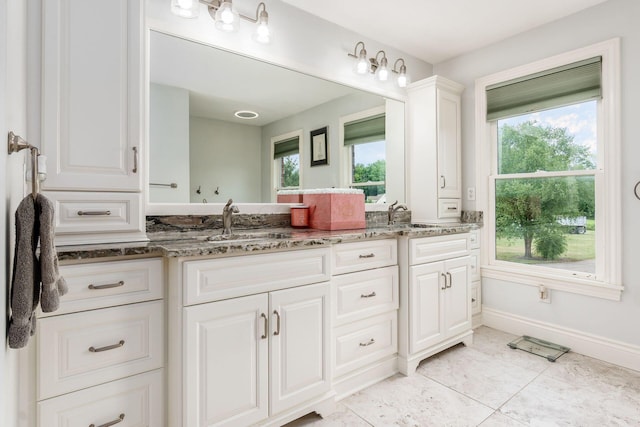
(544, 294)
(471, 193)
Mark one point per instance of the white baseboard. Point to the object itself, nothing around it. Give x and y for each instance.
(616, 352)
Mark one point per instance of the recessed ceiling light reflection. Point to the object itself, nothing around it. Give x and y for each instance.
(246, 114)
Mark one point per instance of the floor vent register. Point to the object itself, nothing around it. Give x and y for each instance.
(546, 349)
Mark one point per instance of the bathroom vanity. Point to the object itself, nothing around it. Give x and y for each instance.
(260, 329)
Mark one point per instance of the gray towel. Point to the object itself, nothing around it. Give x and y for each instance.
(53, 285)
(34, 220)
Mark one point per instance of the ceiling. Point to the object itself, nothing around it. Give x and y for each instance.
(437, 30)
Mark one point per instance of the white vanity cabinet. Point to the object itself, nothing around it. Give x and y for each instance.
(99, 358)
(92, 135)
(434, 182)
(255, 338)
(364, 289)
(435, 297)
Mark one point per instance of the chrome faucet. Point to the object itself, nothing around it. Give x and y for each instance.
(227, 212)
(393, 209)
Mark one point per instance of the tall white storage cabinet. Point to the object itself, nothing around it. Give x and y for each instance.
(434, 143)
(92, 116)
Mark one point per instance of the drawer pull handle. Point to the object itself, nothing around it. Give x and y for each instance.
(368, 343)
(452, 208)
(371, 255)
(94, 213)
(450, 279)
(473, 300)
(443, 180)
(266, 326)
(277, 331)
(445, 281)
(135, 160)
(371, 295)
(110, 423)
(92, 349)
(106, 286)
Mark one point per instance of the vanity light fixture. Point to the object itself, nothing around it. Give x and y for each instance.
(226, 17)
(378, 65)
(362, 66)
(402, 73)
(381, 67)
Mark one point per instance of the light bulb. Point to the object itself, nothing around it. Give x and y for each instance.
(185, 8)
(383, 71)
(402, 80)
(263, 34)
(226, 17)
(363, 66)
(383, 74)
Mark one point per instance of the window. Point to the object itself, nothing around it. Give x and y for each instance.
(365, 159)
(286, 170)
(549, 145)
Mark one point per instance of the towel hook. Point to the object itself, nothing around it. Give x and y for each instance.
(16, 143)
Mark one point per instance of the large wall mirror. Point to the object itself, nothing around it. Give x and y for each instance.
(201, 152)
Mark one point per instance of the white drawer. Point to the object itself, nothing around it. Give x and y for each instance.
(357, 256)
(85, 212)
(364, 294)
(448, 208)
(429, 249)
(222, 278)
(474, 239)
(84, 349)
(106, 284)
(138, 400)
(360, 343)
(474, 264)
(476, 297)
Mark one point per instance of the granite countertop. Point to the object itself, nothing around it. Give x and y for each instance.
(185, 244)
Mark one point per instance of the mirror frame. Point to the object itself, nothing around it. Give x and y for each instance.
(158, 209)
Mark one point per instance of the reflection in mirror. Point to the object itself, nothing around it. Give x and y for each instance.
(196, 141)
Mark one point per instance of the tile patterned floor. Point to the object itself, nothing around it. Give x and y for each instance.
(490, 385)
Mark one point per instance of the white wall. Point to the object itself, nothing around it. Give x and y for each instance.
(13, 117)
(226, 156)
(169, 155)
(618, 321)
(5, 387)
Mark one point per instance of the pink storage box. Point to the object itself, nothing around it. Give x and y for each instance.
(335, 209)
(289, 198)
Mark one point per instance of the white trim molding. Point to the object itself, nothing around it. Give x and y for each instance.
(598, 347)
(607, 282)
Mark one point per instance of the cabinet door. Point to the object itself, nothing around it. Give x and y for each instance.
(457, 299)
(426, 311)
(91, 103)
(299, 345)
(225, 366)
(449, 145)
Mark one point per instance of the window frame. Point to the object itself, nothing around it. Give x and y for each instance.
(275, 166)
(346, 155)
(608, 181)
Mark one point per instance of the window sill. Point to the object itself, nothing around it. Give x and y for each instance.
(557, 282)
